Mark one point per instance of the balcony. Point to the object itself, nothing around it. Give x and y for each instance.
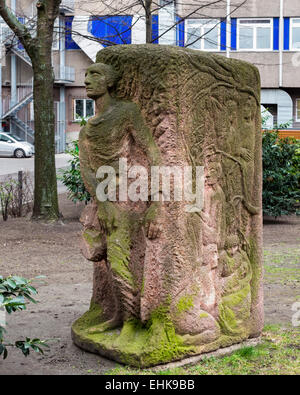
(67, 6)
(64, 74)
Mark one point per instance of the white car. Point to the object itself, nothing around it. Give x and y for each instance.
(11, 145)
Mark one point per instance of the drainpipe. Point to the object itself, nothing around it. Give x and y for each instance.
(228, 29)
(62, 119)
(62, 99)
(1, 43)
(281, 44)
(13, 68)
(62, 52)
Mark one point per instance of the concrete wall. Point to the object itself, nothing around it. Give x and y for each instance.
(115, 7)
(291, 8)
(200, 9)
(24, 72)
(257, 8)
(79, 60)
(291, 69)
(266, 62)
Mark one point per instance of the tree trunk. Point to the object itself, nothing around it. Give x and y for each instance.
(45, 189)
(39, 49)
(148, 4)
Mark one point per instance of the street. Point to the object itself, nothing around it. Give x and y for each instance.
(11, 166)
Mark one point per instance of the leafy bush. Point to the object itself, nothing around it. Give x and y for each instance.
(15, 292)
(281, 175)
(71, 177)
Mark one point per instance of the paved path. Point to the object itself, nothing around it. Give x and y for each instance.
(11, 166)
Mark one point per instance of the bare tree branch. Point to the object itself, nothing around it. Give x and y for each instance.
(16, 26)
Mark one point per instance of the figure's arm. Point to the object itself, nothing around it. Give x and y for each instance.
(144, 139)
(88, 175)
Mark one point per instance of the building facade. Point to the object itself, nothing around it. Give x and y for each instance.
(265, 33)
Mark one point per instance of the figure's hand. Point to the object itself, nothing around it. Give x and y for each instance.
(153, 221)
(153, 229)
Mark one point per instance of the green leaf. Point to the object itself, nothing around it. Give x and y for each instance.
(11, 283)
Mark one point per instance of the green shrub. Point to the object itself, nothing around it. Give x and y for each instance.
(281, 175)
(71, 177)
(15, 293)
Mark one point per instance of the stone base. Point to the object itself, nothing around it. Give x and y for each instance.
(155, 345)
(197, 358)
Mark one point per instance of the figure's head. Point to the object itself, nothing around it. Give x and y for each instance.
(100, 78)
(232, 244)
(214, 173)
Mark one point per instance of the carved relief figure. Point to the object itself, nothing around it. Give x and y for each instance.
(116, 131)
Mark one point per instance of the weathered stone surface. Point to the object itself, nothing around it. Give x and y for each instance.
(191, 282)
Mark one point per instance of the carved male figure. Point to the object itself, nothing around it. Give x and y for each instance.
(116, 131)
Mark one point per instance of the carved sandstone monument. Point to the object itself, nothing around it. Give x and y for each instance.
(170, 283)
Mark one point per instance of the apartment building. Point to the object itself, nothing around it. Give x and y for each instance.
(265, 33)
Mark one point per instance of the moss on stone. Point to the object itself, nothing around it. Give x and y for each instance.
(185, 303)
(151, 344)
(203, 315)
(136, 344)
(91, 318)
(92, 237)
(256, 270)
(234, 311)
(236, 298)
(166, 344)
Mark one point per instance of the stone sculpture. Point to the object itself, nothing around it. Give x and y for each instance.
(170, 283)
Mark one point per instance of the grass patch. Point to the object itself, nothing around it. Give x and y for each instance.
(278, 354)
(282, 268)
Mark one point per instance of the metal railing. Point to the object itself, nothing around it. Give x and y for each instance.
(64, 73)
(22, 92)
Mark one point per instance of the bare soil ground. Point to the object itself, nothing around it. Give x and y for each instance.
(30, 249)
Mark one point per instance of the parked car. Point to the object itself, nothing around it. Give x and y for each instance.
(11, 145)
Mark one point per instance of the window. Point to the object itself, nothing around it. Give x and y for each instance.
(295, 33)
(5, 138)
(298, 110)
(83, 108)
(203, 34)
(255, 34)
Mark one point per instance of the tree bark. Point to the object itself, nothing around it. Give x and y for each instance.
(148, 4)
(45, 192)
(39, 50)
